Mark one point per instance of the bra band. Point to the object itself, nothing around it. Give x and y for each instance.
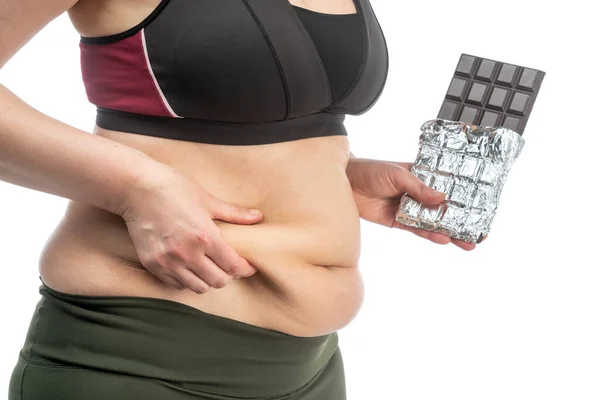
(196, 130)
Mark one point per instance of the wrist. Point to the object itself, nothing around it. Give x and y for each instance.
(144, 176)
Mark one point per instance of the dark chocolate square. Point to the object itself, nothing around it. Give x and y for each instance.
(518, 105)
(527, 81)
(491, 93)
(486, 70)
(469, 115)
(457, 89)
(511, 123)
(448, 110)
(465, 65)
(498, 98)
(477, 94)
(490, 118)
(507, 75)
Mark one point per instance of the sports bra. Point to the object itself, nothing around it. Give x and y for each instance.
(236, 72)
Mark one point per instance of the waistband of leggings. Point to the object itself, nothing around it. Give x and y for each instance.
(170, 341)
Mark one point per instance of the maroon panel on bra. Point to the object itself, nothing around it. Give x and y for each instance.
(116, 76)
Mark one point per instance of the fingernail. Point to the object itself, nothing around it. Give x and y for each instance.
(254, 211)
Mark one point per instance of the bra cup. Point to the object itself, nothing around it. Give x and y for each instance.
(302, 71)
(214, 62)
(372, 78)
(254, 61)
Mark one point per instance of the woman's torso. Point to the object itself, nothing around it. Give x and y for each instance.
(306, 248)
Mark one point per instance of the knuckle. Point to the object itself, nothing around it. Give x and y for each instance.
(422, 190)
(174, 251)
(156, 258)
(204, 237)
(146, 260)
(162, 259)
(233, 269)
(404, 174)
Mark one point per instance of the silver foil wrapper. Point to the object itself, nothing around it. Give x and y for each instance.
(470, 164)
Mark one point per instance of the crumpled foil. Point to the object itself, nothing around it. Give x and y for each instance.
(470, 164)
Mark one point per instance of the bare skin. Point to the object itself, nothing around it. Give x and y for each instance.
(303, 250)
(308, 224)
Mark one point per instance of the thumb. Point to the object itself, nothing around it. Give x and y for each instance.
(408, 183)
(238, 215)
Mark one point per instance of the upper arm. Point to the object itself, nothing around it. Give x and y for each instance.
(20, 20)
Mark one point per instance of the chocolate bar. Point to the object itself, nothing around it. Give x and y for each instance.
(484, 92)
(469, 150)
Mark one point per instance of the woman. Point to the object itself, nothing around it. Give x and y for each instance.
(160, 282)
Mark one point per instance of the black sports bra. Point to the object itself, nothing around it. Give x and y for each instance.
(236, 72)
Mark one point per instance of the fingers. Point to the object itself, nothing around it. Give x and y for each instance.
(169, 280)
(436, 237)
(228, 260)
(408, 183)
(405, 165)
(426, 195)
(187, 263)
(432, 236)
(190, 280)
(198, 273)
(464, 245)
(233, 214)
(211, 273)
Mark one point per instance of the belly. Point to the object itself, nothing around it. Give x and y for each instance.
(306, 249)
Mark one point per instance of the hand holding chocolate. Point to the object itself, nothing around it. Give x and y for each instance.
(468, 151)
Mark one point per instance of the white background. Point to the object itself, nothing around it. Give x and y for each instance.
(518, 318)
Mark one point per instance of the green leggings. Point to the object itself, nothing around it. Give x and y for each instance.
(137, 348)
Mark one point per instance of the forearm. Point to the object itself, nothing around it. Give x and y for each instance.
(43, 154)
